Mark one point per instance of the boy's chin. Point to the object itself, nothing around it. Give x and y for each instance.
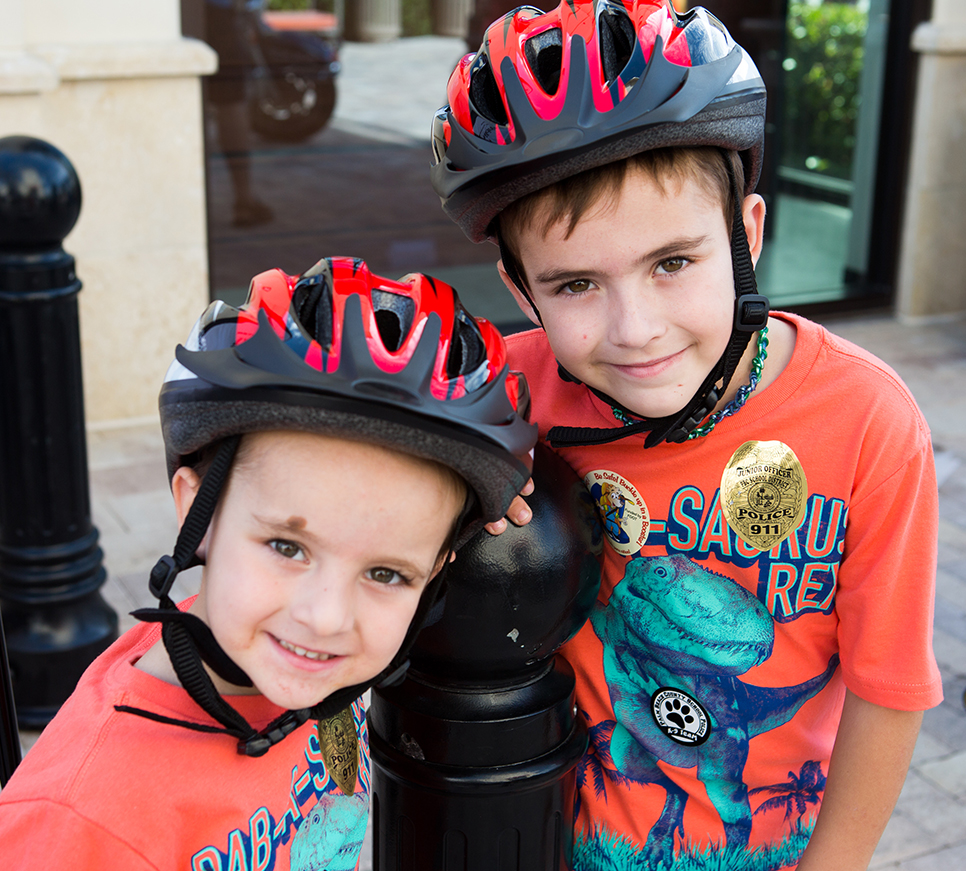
(650, 404)
(652, 410)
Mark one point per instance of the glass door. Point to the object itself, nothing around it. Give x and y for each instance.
(823, 63)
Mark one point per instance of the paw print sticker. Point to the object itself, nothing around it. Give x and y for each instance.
(680, 717)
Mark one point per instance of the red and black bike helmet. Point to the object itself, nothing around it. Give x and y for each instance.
(342, 351)
(337, 351)
(550, 95)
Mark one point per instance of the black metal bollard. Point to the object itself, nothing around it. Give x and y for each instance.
(50, 563)
(474, 753)
(10, 753)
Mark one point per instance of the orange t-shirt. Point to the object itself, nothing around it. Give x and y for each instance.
(749, 577)
(108, 789)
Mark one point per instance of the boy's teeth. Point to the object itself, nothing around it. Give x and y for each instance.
(301, 651)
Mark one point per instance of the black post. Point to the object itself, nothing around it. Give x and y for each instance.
(474, 754)
(50, 563)
(10, 754)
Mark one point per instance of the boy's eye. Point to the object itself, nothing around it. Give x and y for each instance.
(674, 264)
(580, 285)
(287, 549)
(386, 576)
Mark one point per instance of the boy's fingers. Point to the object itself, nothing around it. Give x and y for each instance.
(496, 527)
(519, 513)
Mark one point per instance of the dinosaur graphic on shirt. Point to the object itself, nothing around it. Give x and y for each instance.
(673, 624)
(330, 837)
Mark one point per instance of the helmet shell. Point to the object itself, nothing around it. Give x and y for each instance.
(343, 352)
(550, 95)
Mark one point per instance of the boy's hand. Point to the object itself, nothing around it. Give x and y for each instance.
(518, 513)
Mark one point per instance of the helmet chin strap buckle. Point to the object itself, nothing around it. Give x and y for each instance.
(162, 577)
(751, 312)
(681, 432)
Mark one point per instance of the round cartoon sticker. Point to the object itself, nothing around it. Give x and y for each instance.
(763, 493)
(623, 513)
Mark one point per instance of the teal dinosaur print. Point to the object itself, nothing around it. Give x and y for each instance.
(330, 837)
(676, 636)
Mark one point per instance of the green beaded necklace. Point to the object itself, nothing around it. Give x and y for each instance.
(741, 397)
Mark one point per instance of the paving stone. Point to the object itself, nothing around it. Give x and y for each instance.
(951, 618)
(903, 838)
(947, 721)
(951, 587)
(950, 650)
(950, 774)
(951, 858)
(929, 748)
(931, 807)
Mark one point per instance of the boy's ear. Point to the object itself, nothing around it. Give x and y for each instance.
(521, 300)
(753, 212)
(184, 488)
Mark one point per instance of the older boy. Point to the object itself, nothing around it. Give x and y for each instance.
(326, 409)
(755, 671)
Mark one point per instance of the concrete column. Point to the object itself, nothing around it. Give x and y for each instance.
(451, 17)
(932, 268)
(120, 93)
(373, 20)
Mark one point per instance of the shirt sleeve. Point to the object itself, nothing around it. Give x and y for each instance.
(886, 589)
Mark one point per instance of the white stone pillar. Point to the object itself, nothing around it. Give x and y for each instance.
(373, 20)
(932, 268)
(451, 17)
(117, 89)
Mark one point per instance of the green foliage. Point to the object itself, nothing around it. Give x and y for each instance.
(822, 68)
(417, 17)
(290, 4)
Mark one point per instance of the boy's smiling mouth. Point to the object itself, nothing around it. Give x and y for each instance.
(648, 367)
(314, 655)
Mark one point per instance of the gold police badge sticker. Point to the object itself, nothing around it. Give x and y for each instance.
(763, 493)
(340, 749)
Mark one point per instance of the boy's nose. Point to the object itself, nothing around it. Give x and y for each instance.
(632, 321)
(325, 604)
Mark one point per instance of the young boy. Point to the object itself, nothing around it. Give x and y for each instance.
(755, 670)
(329, 445)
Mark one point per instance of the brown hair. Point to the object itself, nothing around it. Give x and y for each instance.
(570, 199)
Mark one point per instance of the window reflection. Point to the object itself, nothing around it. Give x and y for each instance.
(316, 145)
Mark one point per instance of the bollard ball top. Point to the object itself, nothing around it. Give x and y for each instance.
(40, 194)
(513, 599)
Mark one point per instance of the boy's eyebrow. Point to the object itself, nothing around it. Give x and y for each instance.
(293, 524)
(677, 246)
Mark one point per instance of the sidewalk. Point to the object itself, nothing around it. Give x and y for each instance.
(132, 509)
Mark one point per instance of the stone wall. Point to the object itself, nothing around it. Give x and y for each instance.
(116, 88)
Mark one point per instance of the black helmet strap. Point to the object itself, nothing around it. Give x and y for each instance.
(188, 640)
(511, 267)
